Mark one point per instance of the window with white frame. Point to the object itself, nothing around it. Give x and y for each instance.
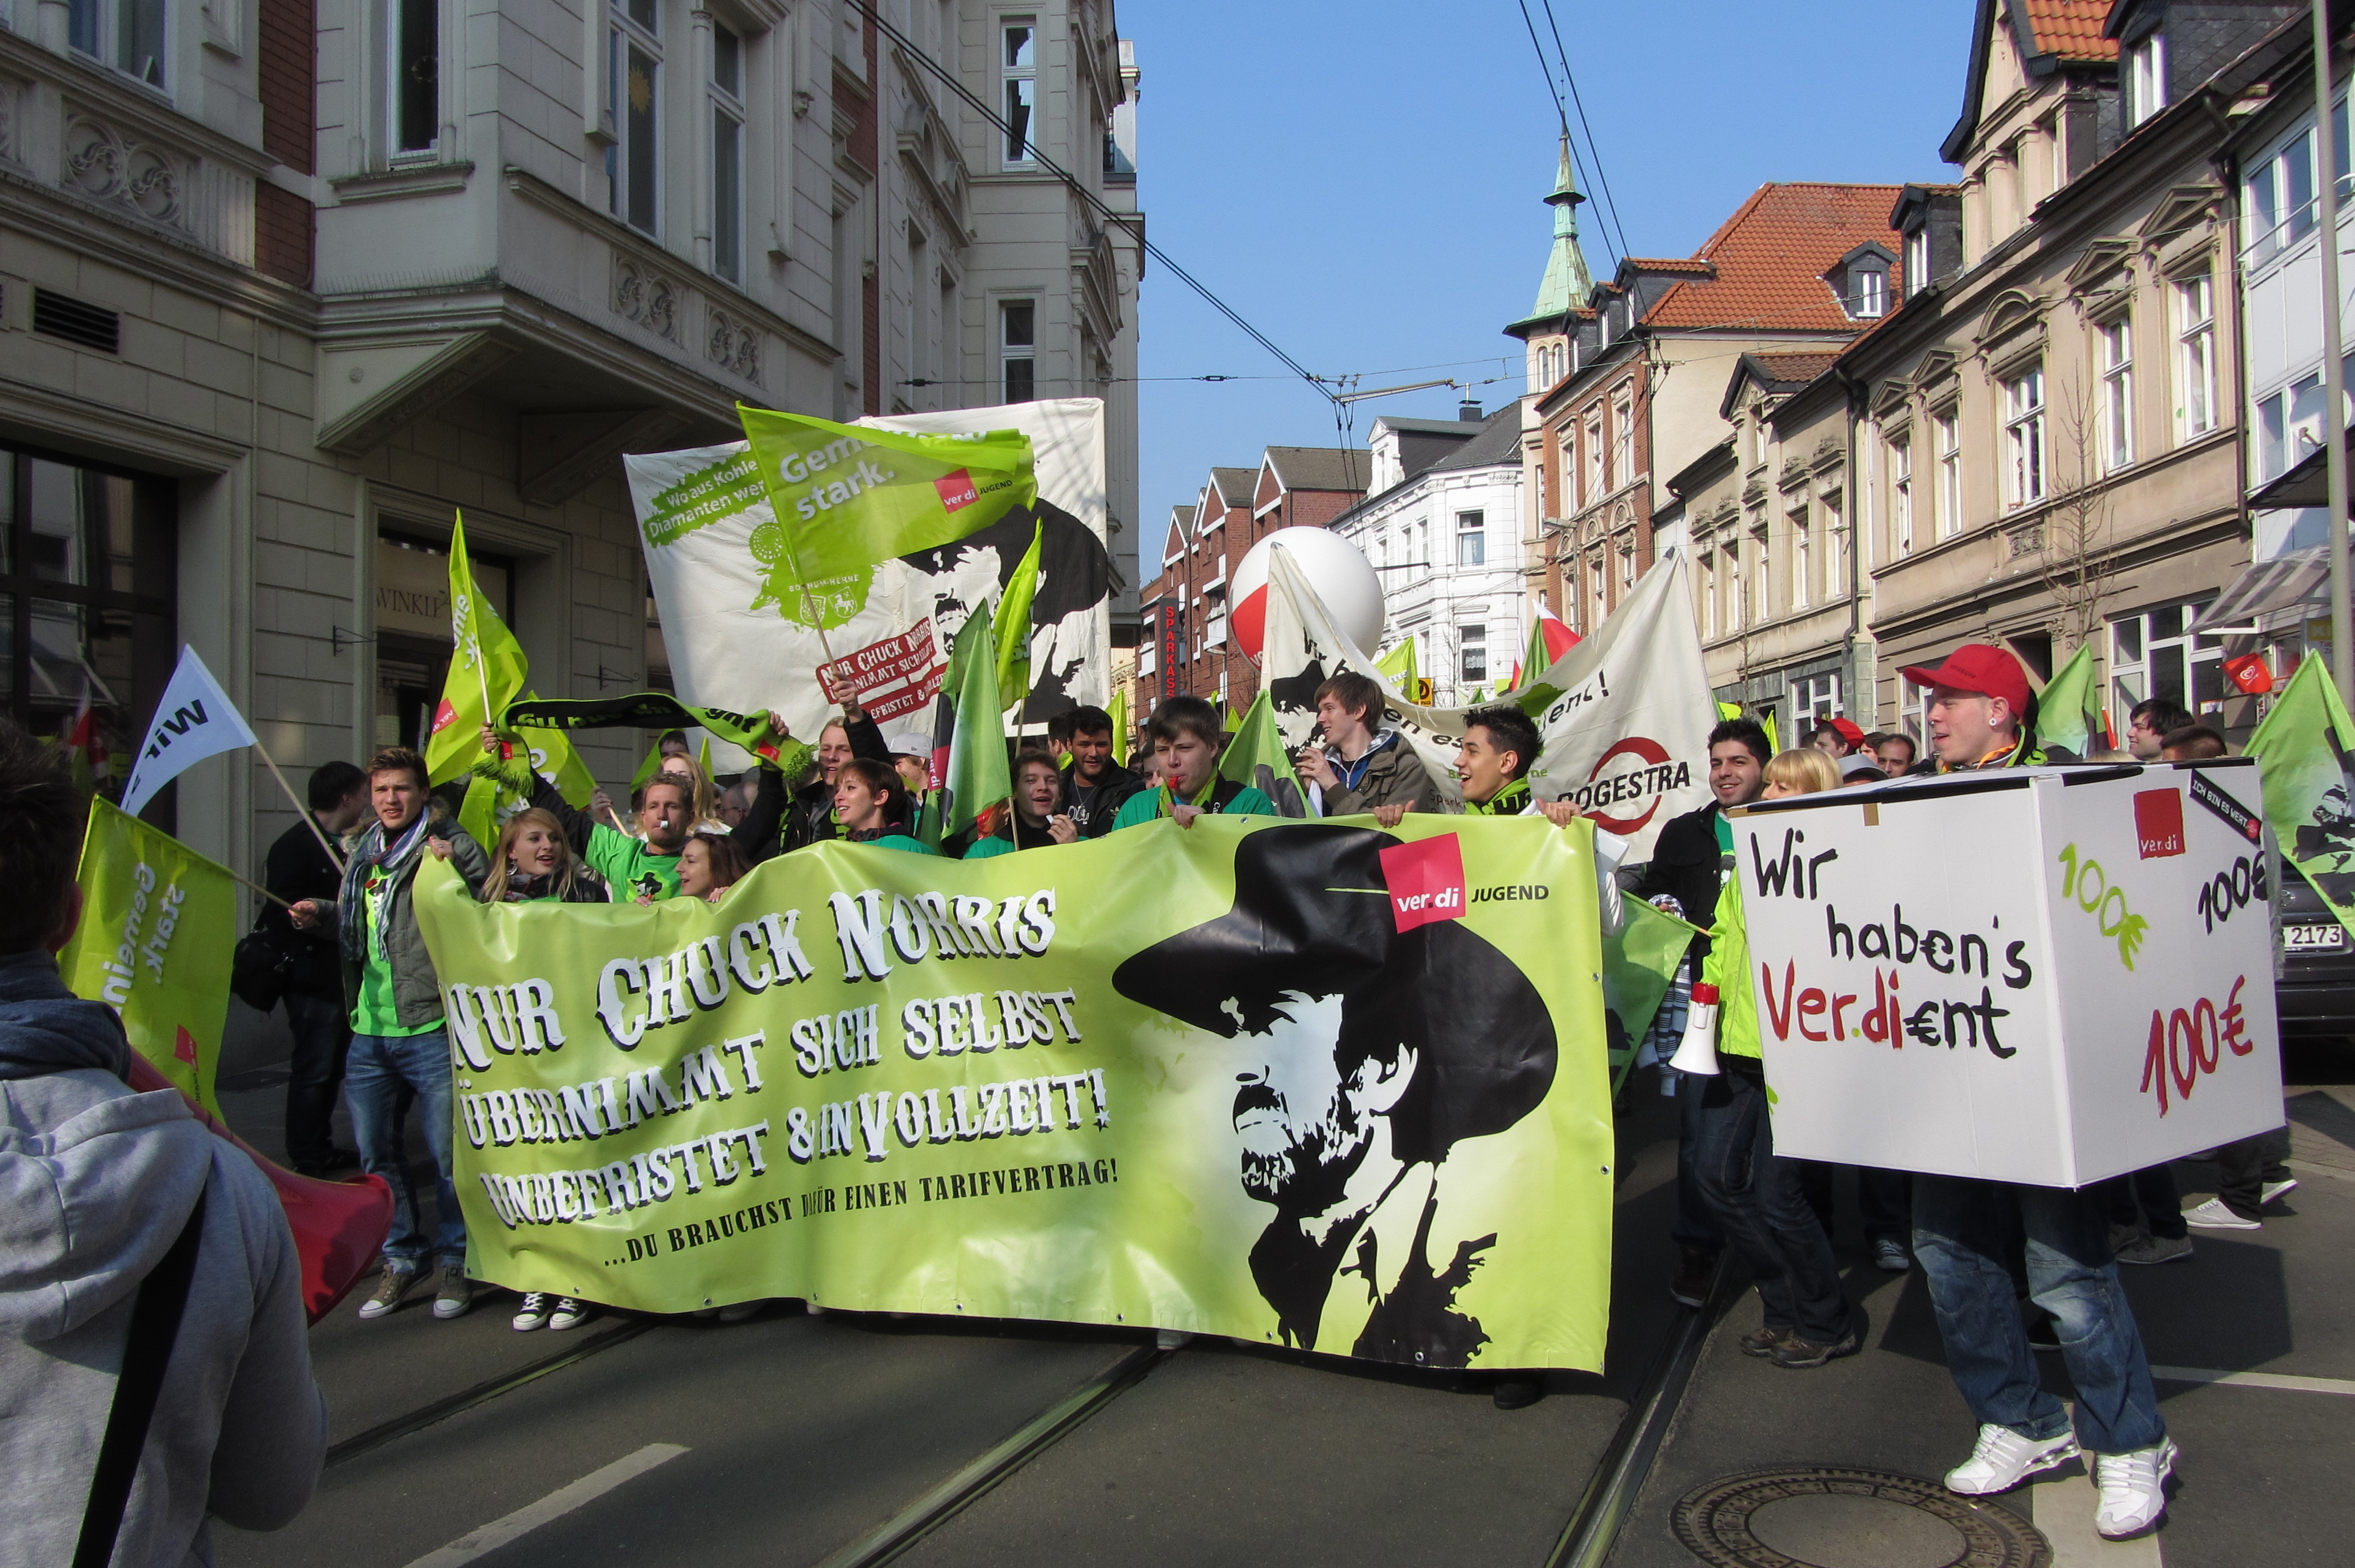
(1868, 290)
(1917, 261)
(2152, 655)
(1017, 347)
(1601, 585)
(634, 80)
(1017, 63)
(1900, 495)
(2280, 204)
(1471, 645)
(128, 35)
(1708, 595)
(1596, 481)
(1471, 542)
(1946, 431)
(1626, 571)
(1835, 550)
(1735, 601)
(1814, 698)
(2289, 426)
(2145, 77)
(414, 90)
(728, 157)
(2023, 437)
(1623, 439)
(2114, 347)
(2195, 356)
(1799, 558)
(1761, 574)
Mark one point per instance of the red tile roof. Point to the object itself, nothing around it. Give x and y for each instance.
(2069, 28)
(1787, 369)
(1772, 257)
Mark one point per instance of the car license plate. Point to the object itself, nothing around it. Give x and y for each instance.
(2329, 938)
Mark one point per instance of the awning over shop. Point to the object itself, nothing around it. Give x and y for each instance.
(2268, 585)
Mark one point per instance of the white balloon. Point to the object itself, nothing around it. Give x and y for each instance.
(1337, 569)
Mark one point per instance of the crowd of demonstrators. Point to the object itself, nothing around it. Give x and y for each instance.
(1362, 767)
(299, 867)
(1094, 787)
(114, 1456)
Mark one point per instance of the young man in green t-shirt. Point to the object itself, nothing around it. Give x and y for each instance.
(1185, 738)
(643, 870)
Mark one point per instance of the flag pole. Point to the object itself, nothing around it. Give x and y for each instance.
(301, 811)
(257, 887)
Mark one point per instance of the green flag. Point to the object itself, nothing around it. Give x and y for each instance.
(487, 671)
(1255, 756)
(2069, 710)
(158, 922)
(1638, 965)
(1399, 666)
(848, 498)
(978, 776)
(1118, 709)
(1013, 624)
(642, 710)
(2309, 781)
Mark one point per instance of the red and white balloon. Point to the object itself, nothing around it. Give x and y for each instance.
(1338, 572)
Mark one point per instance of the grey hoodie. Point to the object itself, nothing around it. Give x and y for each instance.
(95, 1184)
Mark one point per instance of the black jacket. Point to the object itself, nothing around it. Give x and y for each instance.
(296, 869)
(1687, 865)
(1118, 785)
(779, 820)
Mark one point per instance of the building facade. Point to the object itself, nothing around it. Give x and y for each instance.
(272, 314)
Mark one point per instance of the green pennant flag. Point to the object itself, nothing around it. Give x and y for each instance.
(487, 669)
(847, 498)
(1397, 666)
(1118, 709)
(2309, 780)
(158, 924)
(977, 776)
(1729, 710)
(648, 765)
(1638, 966)
(1013, 624)
(2069, 709)
(1254, 755)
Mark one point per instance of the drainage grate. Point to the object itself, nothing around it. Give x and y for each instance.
(1842, 1517)
(62, 315)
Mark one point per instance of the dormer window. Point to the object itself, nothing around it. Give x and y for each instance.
(1917, 261)
(2145, 77)
(1862, 281)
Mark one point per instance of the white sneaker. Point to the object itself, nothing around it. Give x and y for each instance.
(2003, 1458)
(2134, 1489)
(533, 1313)
(2273, 1190)
(2212, 1215)
(569, 1314)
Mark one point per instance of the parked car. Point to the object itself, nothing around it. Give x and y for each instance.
(2315, 994)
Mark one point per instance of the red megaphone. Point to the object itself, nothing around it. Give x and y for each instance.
(338, 1225)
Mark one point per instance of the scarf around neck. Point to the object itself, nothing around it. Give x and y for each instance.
(372, 854)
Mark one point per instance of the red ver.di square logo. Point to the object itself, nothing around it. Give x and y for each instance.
(956, 490)
(1425, 879)
(2158, 824)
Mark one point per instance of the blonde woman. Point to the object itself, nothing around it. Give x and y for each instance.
(1757, 1195)
(535, 862)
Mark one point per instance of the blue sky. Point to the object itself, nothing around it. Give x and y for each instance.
(1362, 182)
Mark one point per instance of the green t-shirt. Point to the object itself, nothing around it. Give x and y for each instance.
(375, 1011)
(629, 868)
(1150, 805)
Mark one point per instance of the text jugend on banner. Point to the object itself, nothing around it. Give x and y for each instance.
(1219, 1078)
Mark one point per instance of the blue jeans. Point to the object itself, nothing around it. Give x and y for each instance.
(1695, 1221)
(383, 1073)
(1762, 1205)
(1964, 1234)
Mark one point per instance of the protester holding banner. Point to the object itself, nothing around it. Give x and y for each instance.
(1500, 747)
(710, 864)
(299, 867)
(535, 863)
(1094, 786)
(1362, 767)
(400, 1048)
(642, 867)
(1031, 821)
(1691, 861)
(811, 819)
(122, 1206)
(1187, 738)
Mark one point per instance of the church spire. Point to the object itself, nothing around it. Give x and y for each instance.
(1567, 282)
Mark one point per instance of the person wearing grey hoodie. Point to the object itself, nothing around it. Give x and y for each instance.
(97, 1184)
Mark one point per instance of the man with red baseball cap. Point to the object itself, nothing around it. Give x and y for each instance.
(1979, 709)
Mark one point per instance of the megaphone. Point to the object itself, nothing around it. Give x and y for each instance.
(1698, 1054)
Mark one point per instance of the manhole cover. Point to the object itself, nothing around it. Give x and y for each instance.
(1828, 1517)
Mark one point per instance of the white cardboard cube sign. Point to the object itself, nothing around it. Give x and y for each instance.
(2047, 976)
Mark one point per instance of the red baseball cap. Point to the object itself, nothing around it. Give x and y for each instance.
(1848, 731)
(1977, 667)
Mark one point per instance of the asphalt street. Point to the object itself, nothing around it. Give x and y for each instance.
(794, 1439)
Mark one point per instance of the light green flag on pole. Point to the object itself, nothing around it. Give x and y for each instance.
(158, 922)
(1013, 625)
(2309, 781)
(1399, 666)
(978, 776)
(488, 671)
(1639, 963)
(1255, 756)
(2069, 710)
(1118, 709)
(847, 498)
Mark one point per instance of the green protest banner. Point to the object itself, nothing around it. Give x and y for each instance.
(157, 923)
(1322, 1085)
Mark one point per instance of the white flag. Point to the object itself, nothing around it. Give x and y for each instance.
(194, 721)
(1624, 717)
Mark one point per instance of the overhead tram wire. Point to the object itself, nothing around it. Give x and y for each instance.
(1127, 220)
(1562, 113)
(1601, 180)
